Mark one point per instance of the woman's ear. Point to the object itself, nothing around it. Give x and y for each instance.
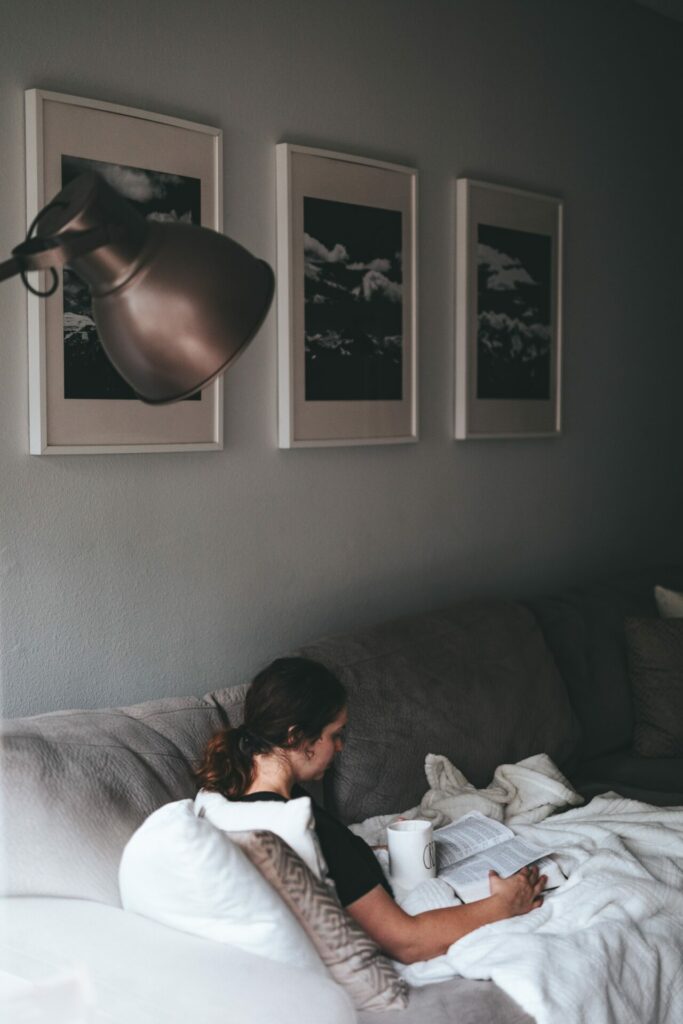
(294, 738)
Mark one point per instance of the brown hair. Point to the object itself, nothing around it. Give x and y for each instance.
(289, 702)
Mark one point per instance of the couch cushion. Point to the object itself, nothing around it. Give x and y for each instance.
(458, 1001)
(654, 780)
(584, 629)
(76, 785)
(229, 702)
(474, 682)
(182, 871)
(141, 972)
(655, 662)
(291, 820)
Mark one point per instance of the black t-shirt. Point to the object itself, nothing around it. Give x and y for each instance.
(352, 865)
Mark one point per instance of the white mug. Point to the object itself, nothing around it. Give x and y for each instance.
(412, 853)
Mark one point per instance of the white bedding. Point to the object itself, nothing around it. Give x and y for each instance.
(518, 794)
(605, 948)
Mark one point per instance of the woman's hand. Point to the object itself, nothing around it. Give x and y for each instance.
(519, 893)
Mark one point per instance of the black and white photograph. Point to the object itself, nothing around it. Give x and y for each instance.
(168, 169)
(354, 301)
(508, 322)
(347, 310)
(513, 313)
(156, 196)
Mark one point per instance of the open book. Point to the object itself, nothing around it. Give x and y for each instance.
(467, 849)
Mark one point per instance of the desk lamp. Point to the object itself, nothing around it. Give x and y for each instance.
(174, 304)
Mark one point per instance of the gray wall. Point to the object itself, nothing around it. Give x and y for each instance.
(126, 577)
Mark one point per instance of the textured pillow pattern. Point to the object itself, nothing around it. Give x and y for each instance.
(655, 658)
(293, 821)
(351, 956)
(669, 603)
(180, 870)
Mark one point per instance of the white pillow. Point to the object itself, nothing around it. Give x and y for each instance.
(292, 821)
(180, 870)
(669, 603)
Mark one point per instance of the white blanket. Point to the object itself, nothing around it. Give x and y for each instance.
(520, 793)
(605, 948)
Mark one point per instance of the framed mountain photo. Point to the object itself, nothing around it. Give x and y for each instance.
(347, 339)
(508, 312)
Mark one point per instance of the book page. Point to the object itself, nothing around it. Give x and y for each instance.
(470, 879)
(469, 835)
(469, 892)
(505, 858)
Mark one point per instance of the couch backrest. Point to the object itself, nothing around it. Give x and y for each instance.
(76, 784)
(475, 682)
(584, 629)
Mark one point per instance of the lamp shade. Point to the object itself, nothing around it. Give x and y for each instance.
(174, 304)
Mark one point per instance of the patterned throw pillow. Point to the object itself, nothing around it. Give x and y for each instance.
(351, 956)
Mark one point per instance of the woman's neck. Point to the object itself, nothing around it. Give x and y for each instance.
(272, 774)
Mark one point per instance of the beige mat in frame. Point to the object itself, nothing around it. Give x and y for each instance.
(369, 191)
(157, 148)
(529, 227)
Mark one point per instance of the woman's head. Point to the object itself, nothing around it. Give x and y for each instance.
(294, 708)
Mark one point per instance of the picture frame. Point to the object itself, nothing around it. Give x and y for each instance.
(347, 299)
(508, 351)
(170, 169)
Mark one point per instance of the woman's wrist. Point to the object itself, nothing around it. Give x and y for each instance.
(498, 907)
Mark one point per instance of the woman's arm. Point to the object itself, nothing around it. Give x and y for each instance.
(409, 939)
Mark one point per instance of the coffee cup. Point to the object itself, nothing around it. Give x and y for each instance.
(412, 853)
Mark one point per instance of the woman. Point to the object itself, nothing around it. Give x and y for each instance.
(295, 715)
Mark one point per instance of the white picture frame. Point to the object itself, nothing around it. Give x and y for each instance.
(508, 322)
(336, 216)
(75, 405)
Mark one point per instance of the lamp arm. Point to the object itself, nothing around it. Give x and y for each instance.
(48, 253)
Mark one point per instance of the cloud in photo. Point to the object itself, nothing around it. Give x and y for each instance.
(318, 252)
(379, 264)
(138, 185)
(374, 283)
(504, 272)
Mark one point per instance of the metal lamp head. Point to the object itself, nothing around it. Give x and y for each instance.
(174, 304)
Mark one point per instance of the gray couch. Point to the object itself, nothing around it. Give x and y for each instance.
(483, 683)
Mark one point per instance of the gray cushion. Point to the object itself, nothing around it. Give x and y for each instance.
(655, 660)
(650, 779)
(584, 629)
(474, 682)
(459, 1001)
(229, 702)
(76, 785)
